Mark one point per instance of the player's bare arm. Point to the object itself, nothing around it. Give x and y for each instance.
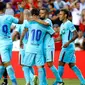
(14, 35)
(22, 36)
(40, 21)
(21, 12)
(75, 35)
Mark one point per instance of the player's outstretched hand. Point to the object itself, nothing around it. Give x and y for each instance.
(23, 4)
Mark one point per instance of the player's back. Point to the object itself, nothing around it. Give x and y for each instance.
(5, 24)
(19, 29)
(36, 37)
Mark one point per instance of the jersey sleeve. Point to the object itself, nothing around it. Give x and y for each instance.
(26, 24)
(50, 30)
(49, 21)
(71, 27)
(14, 20)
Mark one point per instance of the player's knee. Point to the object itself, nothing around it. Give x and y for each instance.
(61, 63)
(49, 64)
(71, 65)
(6, 64)
(40, 67)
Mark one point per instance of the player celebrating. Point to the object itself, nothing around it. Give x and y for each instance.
(34, 48)
(19, 29)
(49, 47)
(6, 41)
(68, 34)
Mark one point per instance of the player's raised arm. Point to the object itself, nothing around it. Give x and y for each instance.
(14, 35)
(23, 3)
(22, 36)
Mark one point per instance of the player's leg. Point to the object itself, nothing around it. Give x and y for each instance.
(42, 75)
(33, 77)
(62, 60)
(2, 73)
(26, 74)
(1, 68)
(49, 59)
(5, 82)
(25, 68)
(56, 73)
(77, 72)
(6, 57)
(28, 63)
(29, 75)
(39, 61)
(61, 68)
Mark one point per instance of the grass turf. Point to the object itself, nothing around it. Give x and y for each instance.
(50, 81)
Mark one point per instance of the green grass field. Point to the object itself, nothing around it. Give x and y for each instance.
(50, 81)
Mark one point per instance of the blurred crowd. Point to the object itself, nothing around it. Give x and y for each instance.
(76, 10)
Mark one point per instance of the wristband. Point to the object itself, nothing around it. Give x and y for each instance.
(21, 9)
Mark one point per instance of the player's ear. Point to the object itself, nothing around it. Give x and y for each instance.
(66, 15)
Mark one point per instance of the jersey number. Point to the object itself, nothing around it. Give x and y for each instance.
(5, 29)
(36, 34)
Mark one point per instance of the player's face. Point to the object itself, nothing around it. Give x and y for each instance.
(42, 14)
(61, 16)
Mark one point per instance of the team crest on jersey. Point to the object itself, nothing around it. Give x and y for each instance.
(62, 30)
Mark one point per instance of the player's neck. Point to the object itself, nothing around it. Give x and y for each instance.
(65, 20)
(1, 12)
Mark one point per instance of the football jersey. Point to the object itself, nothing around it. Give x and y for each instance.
(5, 24)
(36, 37)
(19, 29)
(66, 32)
(49, 40)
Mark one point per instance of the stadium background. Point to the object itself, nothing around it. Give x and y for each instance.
(68, 72)
(77, 21)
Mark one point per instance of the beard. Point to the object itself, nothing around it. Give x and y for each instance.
(42, 18)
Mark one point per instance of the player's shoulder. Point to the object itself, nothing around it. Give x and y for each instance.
(69, 22)
(47, 19)
(9, 17)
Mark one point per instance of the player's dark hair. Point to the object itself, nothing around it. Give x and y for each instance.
(65, 12)
(35, 12)
(45, 9)
(51, 4)
(2, 6)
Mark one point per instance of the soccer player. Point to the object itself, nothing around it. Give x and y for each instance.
(6, 41)
(5, 81)
(49, 47)
(19, 29)
(34, 48)
(68, 34)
